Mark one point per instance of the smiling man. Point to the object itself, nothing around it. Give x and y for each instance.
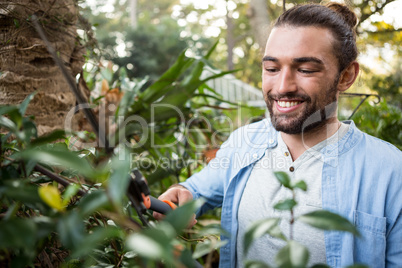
(310, 57)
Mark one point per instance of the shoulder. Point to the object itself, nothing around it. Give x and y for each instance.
(371, 146)
(381, 150)
(380, 161)
(254, 135)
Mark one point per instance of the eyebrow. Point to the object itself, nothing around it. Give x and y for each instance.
(308, 59)
(269, 58)
(297, 60)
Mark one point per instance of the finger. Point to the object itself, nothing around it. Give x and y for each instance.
(158, 216)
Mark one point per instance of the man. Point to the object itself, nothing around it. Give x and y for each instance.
(310, 57)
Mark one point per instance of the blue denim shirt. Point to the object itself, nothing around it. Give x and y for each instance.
(361, 180)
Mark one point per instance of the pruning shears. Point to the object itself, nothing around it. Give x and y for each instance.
(139, 194)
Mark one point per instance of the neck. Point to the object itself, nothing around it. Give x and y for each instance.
(299, 143)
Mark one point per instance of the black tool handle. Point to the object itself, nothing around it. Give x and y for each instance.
(159, 206)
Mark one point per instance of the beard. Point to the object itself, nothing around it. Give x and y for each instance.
(316, 112)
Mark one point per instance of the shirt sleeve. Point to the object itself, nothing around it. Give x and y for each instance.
(211, 182)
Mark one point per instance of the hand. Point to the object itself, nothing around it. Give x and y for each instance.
(179, 195)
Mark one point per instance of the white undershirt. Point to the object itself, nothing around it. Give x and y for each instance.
(263, 190)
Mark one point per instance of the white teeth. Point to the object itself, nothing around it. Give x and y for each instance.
(288, 104)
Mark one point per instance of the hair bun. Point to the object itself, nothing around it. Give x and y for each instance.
(348, 15)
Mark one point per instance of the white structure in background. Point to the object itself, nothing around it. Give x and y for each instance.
(234, 90)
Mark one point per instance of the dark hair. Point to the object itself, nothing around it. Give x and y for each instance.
(338, 18)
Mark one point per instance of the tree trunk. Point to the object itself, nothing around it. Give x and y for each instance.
(133, 13)
(25, 64)
(230, 40)
(259, 21)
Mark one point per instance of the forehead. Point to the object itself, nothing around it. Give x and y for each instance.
(288, 42)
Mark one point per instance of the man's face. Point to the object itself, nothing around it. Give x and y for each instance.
(299, 78)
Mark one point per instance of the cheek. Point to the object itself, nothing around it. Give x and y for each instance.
(266, 84)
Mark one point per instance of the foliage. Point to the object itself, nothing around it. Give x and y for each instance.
(147, 50)
(87, 220)
(68, 205)
(383, 121)
(151, 48)
(389, 87)
(61, 204)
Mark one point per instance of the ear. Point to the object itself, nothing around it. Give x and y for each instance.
(348, 76)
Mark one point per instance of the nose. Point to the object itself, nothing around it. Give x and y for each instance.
(286, 81)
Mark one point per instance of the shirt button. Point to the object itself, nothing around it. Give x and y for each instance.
(291, 169)
(271, 141)
(286, 153)
(255, 155)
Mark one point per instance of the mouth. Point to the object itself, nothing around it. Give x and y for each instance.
(287, 106)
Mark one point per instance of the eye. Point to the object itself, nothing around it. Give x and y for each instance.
(307, 71)
(271, 70)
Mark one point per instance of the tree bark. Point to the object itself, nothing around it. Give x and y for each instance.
(230, 40)
(133, 13)
(25, 64)
(259, 21)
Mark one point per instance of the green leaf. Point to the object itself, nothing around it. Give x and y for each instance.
(213, 229)
(300, 185)
(8, 109)
(24, 105)
(71, 191)
(16, 23)
(49, 138)
(119, 179)
(220, 74)
(205, 247)
(255, 264)
(18, 233)
(71, 230)
(97, 237)
(94, 201)
(326, 220)
(45, 226)
(7, 123)
(165, 82)
(292, 255)
(283, 178)
(186, 258)
(154, 243)
(181, 216)
(287, 204)
(129, 97)
(23, 192)
(28, 131)
(260, 228)
(212, 49)
(64, 158)
(190, 83)
(9, 172)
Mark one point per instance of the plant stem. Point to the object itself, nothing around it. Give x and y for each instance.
(55, 177)
(292, 218)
